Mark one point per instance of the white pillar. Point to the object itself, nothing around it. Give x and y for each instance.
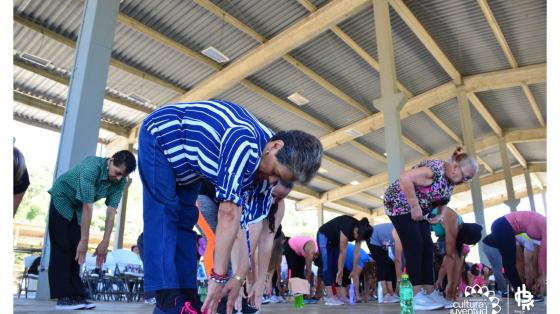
(544, 202)
(529, 187)
(320, 215)
(468, 139)
(80, 129)
(511, 202)
(390, 102)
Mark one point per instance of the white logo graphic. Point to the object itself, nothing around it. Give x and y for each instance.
(477, 300)
(524, 299)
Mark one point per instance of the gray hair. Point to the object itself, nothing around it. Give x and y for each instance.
(301, 154)
(465, 159)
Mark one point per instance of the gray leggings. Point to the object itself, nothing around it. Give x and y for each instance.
(495, 259)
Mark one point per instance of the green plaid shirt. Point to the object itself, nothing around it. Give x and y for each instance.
(86, 183)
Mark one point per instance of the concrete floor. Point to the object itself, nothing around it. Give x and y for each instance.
(36, 306)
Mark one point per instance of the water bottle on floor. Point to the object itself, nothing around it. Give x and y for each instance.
(379, 292)
(407, 294)
(298, 302)
(352, 292)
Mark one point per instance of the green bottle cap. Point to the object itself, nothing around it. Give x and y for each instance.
(405, 276)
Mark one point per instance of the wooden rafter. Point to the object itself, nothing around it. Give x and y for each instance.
(509, 55)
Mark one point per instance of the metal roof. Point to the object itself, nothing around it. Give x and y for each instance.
(145, 67)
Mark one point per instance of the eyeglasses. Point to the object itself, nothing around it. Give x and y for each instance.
(465, 178)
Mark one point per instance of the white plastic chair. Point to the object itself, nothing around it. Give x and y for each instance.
(28, 279)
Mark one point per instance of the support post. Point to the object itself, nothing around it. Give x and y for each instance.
(511, 202)
(391, 102)
(529, 188)
(80, 129)
(468, 139)
(121, 218)
(320, 215)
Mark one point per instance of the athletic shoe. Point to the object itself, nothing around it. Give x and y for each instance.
(88, 305)
(344, 300)
(266, 299)
(391, 299)
(68, 304)
(333, 301)
(281, 299)
(437, 297)
(181, 306)
(274, 299)
(422, 302)
(150, 301)
(310, 301)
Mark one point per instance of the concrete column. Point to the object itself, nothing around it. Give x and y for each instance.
(320, 216)
(390, 102)
(80, 129)
(529, 188)
(121, 219)
(511, 202)
(468, 139)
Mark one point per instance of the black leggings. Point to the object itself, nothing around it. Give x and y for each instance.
(296, 263)
(504, 237)
(418, 248)
(385, 266)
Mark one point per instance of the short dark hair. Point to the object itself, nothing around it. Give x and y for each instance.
(132, 247)
(364, 230)
(469, 234)
(127, 158)
(301, 154)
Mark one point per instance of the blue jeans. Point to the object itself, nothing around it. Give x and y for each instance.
(329, 258)
(170, 214)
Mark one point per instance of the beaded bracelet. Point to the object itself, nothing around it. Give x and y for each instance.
(217, 278)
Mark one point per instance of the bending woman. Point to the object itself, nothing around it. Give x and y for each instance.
(332, 238)
(408, 199)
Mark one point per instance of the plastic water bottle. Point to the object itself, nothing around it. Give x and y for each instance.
(407, 306)
(202, 292)
(298, 303)
(379, 292)
(352, 293)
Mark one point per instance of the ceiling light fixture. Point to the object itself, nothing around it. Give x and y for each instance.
(215, 55)
(298, 99)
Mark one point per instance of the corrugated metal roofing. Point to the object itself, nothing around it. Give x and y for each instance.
(268, 18)
(462, 32)
(523, 24)
(282, 79)
(509, 107)
(189, 24)
(539, 92)
(532, 151)
(272, 116)
(423, 131)
(353, 156)
(493, 157)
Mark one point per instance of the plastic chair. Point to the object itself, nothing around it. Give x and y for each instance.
(27, 278)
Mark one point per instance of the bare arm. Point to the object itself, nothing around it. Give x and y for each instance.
(355, 262)
(101, 250)
(309, 249)
(341, 257)
(422, 176)
(87, 210)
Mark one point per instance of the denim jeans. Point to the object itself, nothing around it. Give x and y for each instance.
(329, 258)
(170, 214)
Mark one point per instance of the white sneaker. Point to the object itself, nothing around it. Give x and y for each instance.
(423, 303)
(437, 297)
(388, 298)
(281, 299)
(274, 299)
(344, 300)
(333, 301)
(150, 301)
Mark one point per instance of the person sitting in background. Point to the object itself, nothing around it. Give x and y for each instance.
(353, 274)
(21, 178)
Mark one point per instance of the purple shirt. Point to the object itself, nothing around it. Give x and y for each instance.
(436, 194)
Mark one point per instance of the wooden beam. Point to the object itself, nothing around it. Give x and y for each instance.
(498, 200)
(526, 136)
(475, 101)
(530, 74)
(57, 109)
(497, 32)
(415, 146)
(43, 125)
(256, 59)
(442, 125)
(517, 154)
(418, 29)
(381, 178)
(113, 62)
(533, 103)
(484, 164)
(65, 81)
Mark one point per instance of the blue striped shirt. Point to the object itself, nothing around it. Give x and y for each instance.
(218, 140)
